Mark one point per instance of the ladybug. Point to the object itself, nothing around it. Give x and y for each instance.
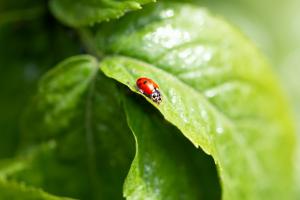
(149, 88)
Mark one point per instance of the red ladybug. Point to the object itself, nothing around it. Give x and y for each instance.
(149, 88)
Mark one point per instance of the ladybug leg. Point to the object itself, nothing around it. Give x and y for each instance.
(141, 91)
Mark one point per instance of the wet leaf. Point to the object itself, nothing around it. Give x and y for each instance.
(217, 89)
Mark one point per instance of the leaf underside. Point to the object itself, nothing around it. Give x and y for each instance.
(166, 165)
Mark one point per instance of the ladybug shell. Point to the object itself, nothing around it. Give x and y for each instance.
(146, 85)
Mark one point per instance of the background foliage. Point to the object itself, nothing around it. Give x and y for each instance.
(32, 42)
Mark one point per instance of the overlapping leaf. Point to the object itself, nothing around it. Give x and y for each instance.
(88, 12)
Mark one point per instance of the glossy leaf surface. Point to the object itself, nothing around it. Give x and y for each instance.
(217, 90)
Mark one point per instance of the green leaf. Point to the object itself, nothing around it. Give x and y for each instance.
(166, 165)
(217, 89)
(75, 108)
(88, 12)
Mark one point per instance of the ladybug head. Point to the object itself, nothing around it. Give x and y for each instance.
(156, 97)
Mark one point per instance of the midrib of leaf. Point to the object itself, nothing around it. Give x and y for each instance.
(92, 163)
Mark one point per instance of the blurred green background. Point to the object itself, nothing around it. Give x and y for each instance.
(31, 41)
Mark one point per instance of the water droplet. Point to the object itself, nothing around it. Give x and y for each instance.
(168, 36)
(220, 130)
